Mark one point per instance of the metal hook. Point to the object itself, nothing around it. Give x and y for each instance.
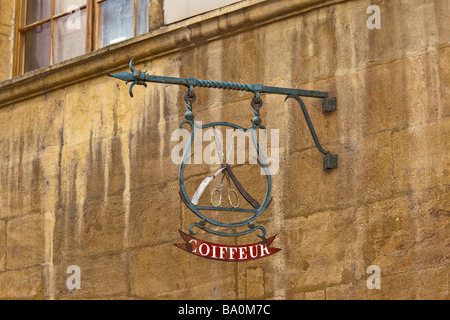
(189, 98)
(133, 70)
(256, 105)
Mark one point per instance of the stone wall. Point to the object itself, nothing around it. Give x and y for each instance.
(87, 177)
(6, 38)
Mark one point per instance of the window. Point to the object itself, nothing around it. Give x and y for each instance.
(51, 31)
(176, 10)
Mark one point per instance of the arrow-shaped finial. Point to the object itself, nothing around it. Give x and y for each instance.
(136, 77)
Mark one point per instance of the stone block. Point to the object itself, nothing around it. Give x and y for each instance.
(89, 111)
(103, 276)
(385, 99)
(419, 156)
(103, 226)
(423, 78)
(388, 104)
(373, 167)
(5, 55)
(354, 291)
(92, 161)
(367, 103)
(73, 166)
(89, 170)
(44, 183)
(427, 284)
(5, 116)
(407, 28)
(219, 289)
(116, 165)
(50, 117)
(155, 214)
(278, 50)
(7, 13)
(166, 272)
(443, 62)
(310, 61)
(313, 295)
(22, 194)
(255, 283)
(351, 47)
(2, 245)
(25, 241)
(442, 9)
(29, 184)
(66, 233)
(22, 131)
(242, 52)
(408, 232)
(323, 249)
(22, 284)
(151, 154)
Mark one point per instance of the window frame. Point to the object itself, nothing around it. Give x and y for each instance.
(92, 28)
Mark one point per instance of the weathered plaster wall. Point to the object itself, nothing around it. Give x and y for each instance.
(87, 178)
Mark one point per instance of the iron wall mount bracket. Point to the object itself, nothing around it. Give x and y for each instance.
(330, 161)
(329, 105)
(137, 77)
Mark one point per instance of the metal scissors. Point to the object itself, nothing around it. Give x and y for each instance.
(225, 170)
(218, 191)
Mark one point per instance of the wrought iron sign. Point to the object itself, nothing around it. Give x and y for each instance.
(226, 196)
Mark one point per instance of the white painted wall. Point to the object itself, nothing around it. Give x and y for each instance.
(176, 10)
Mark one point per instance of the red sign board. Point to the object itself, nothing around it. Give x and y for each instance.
(222, 252)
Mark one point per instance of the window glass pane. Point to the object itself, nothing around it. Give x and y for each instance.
(37, 47)
(115, 21)
(70, 36)
(37, 10)
(68, 5)
(176, 10)
(142, 22)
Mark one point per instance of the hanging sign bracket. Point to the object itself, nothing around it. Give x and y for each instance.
(137, 77)
(245, 216)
